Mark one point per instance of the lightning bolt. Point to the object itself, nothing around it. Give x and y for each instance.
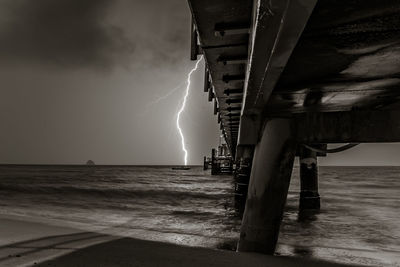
(161, 98)
(158, 100)
(178, 117)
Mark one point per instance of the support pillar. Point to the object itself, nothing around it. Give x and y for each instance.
(269, 184)
(214, 163)
(242, 177)
(309, 196)
(205, 163)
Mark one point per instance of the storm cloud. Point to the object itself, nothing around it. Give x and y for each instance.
(62, 33)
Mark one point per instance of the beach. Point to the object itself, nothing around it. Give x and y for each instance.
(28, 242)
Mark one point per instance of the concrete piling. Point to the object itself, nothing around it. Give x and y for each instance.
(269, 183)
(205, 163)
(242, 177)
(309, 196)
(221, 161)
(214, 162)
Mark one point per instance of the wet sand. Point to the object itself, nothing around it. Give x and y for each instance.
(27, 243)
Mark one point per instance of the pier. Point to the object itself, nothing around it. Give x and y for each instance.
(221, 161)
(288, 79)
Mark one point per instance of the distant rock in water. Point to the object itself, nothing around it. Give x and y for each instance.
(90, 163)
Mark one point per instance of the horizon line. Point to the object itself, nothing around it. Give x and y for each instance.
(161, 165)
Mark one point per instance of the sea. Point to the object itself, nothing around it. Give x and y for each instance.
(359, 220)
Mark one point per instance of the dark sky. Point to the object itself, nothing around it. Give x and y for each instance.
(77, 77)
(80, 80)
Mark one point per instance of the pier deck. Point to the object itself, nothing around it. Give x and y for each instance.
(291, 57)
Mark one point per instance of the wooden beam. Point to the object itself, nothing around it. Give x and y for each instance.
(223, 29)
(194, 47)
(233, 108)
(277, 26)
(206, 79)
(348, 127)
(237, 77)
(233, 100)
(230, 60)
(210, 94)
(231, 115)
(233, 91)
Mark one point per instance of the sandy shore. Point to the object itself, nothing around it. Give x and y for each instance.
(27, 243)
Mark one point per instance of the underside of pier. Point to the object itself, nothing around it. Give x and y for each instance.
(289, 77)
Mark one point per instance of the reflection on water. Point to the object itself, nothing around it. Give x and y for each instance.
(307, 216)
(358, 222)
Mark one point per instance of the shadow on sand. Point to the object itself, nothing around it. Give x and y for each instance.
(134, 252)
(24, 252)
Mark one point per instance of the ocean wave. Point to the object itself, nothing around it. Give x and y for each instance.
(111, 192)
(193, 213)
